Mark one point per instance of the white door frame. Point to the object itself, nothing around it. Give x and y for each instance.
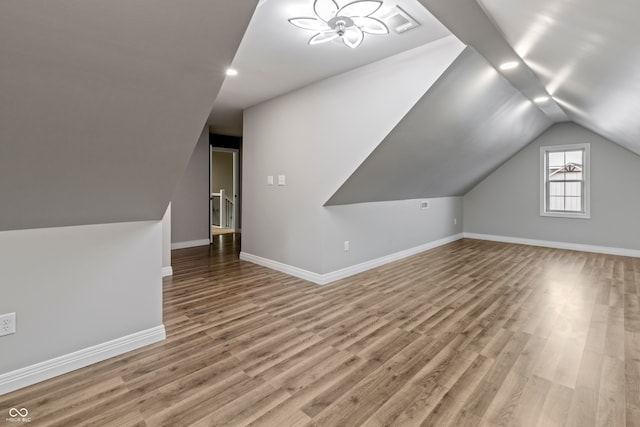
(236, 183)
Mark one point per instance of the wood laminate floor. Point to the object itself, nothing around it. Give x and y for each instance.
(471, 333)
(216, 231)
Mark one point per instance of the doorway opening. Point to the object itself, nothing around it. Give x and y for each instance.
(224, 190)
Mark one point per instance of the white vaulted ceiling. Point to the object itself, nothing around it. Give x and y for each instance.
(467, 124)
(582, 54)
(585, 53)
(103, 101)
(274, 57)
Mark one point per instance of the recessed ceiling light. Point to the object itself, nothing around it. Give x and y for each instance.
(541, 99)
(509, 65)
(232, 72)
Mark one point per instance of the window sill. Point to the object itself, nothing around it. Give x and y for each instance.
(569, 215)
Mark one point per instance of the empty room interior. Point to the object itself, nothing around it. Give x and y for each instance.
(320, 213)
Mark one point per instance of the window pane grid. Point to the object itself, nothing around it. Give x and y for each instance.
(564, 176)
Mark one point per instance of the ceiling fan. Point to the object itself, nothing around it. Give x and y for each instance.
(349, 22)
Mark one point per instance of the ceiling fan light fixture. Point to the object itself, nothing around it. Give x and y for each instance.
(360, 8)
(323, 38)
(313, 24)
(353, 37)
(370, 25)
(348, 23)
(325, 9)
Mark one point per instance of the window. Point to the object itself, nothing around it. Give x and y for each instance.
(565, 181)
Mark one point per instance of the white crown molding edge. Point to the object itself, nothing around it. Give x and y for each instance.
(556, 245)
(190, 244)
(324, 279)
(42, 371)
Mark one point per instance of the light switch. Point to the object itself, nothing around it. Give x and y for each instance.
(270, 180)
(281, 180)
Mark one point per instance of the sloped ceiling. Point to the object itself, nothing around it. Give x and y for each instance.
(466, 125)
(103, 102)
(275, 58)
(467, 20)
(585, 53)
(582, 54)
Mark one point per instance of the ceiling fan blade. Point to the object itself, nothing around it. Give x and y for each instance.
(314, 24)
(371, 25)
(323, 37)
(353, 37)
(325, 9)
(360, 8)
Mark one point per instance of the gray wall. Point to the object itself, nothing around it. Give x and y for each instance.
(507, 203)
(75, 287)
(222, 172)
(190, 202)
(166, 238)
(317, 141)
(468, 123)
(119, 93)
(104, 106)
(377, 229)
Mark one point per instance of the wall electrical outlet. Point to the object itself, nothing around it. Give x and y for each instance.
(7, 324)
(346, 246)
(455, 221)
(424, 204)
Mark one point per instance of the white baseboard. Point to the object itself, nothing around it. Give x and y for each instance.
(284, 268)
(556, 245)
(29, 375)
(167, 271)
(190, 244)
(323, 279)
(368, 265)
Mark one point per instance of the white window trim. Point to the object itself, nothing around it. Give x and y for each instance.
(587, 181)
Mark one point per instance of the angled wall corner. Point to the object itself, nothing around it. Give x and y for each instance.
(466, 125)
